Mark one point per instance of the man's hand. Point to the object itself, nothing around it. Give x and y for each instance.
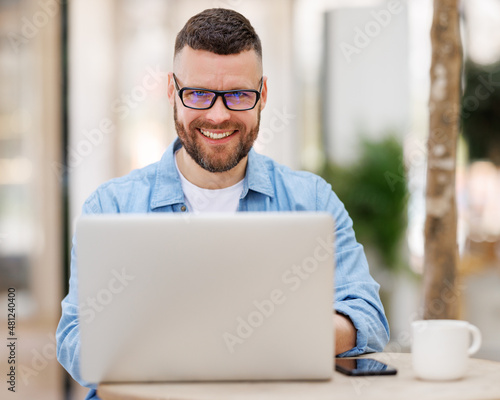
(345, 333)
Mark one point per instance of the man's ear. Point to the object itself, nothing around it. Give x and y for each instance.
(263, 93)
(171, 92)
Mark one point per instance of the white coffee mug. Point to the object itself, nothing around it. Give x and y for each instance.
(441, 348)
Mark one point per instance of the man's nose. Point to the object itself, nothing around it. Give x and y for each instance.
(218, 112)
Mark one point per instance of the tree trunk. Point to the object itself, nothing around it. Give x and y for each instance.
(441, 255)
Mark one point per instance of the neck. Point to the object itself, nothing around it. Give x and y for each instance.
(209, 180)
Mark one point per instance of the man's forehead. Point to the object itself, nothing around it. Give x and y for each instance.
(188, 58)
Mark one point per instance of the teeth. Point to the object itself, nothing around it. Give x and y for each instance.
(212, 135)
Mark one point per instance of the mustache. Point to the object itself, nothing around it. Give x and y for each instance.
(200, 123)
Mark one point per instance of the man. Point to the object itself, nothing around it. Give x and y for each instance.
(217, 90)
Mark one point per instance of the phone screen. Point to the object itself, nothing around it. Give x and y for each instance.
(363, 367)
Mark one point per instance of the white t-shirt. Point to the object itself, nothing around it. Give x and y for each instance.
(200, 200)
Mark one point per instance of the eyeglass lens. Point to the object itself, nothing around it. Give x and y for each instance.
(235, 100)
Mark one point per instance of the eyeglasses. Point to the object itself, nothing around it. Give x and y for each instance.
(203, 99)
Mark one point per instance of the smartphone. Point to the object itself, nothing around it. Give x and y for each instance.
(363, 367)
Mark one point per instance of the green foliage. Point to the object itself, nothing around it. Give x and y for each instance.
(374, 192)
(480, 110)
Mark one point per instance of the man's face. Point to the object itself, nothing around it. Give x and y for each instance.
(235, 131)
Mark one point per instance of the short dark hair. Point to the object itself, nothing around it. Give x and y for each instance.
(220, 31)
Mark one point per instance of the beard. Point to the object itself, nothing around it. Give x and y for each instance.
(217, 158)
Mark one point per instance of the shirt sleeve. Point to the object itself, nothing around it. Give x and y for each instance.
(68, 330)
(356, 292)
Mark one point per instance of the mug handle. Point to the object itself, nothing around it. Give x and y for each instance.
(476, 339)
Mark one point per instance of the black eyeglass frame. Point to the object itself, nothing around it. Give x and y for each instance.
(218, 93)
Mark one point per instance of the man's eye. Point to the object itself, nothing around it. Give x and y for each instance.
(237, 95)
(198, 94)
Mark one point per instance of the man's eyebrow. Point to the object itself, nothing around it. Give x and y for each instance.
(237, 87)
(234, 87)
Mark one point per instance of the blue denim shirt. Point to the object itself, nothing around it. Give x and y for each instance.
(268, 186)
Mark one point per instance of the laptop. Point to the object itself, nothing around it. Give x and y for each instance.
(170, 297)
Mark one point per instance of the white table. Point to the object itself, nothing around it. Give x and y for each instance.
(481, 382)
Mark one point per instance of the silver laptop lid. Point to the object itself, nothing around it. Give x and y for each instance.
(206, 297)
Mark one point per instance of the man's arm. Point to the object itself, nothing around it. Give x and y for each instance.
(68, 330)
(357, 302)
(345, 333)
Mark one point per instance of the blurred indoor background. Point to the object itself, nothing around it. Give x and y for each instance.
(83, 99)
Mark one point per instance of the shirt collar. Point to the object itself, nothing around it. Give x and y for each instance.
(168, 188)
(257, 177)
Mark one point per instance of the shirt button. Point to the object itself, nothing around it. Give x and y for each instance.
(183, 208)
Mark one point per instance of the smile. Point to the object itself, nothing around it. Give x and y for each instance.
(213, 135)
